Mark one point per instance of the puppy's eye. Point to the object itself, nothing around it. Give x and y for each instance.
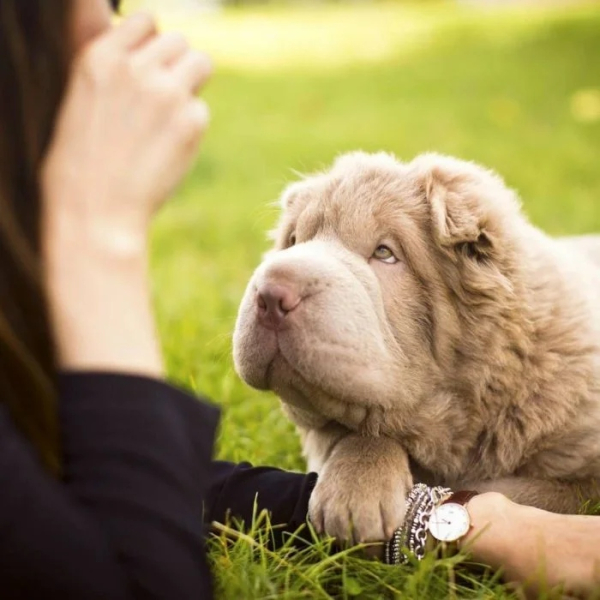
(384, 254)
(292, 240)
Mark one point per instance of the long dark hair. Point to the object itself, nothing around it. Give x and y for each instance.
(34, 56)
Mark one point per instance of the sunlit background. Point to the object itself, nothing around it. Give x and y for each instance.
(513, 85)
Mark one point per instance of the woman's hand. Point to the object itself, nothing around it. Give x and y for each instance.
(536, 549)
(127, 133)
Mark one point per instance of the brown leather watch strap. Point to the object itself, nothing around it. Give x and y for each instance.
(461, 497)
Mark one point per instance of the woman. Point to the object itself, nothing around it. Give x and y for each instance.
(103, 475)
(104, 467)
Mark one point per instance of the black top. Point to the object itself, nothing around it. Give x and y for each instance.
(126, 522)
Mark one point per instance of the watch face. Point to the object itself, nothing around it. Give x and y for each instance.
(449, 522)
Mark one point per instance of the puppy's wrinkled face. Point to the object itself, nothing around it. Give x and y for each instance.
(339, 319)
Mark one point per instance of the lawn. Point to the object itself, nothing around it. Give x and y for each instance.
(516, 89)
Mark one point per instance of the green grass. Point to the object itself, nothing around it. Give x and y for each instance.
(516, 89)
(246, 568)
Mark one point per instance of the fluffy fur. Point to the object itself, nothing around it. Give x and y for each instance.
(473, 361)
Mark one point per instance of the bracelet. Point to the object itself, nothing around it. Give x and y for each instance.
(393, 554)
(412, 534)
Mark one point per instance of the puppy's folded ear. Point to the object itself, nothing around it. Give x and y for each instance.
(467, 204)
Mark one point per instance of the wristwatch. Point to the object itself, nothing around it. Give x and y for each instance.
(450, 520)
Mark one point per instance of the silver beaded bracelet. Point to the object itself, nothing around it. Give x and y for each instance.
(412, 534)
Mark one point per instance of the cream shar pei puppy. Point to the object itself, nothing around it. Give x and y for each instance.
(418, 328)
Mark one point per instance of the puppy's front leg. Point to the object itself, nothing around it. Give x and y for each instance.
(362, 486)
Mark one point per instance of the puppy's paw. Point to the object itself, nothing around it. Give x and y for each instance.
(355, 509)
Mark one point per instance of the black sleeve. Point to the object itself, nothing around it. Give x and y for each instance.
(236, 489)
(126, 523)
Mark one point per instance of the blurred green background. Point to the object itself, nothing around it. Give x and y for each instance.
(514, 86)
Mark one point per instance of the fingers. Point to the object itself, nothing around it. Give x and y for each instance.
(193, 70)
(170, 51)
(133, 32)
(195, 121)
(139, 34)
(162, 50)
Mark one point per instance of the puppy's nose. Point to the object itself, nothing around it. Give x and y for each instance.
(274, 303)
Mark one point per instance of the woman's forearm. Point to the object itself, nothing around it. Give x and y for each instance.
(534, 547)
(99, 299)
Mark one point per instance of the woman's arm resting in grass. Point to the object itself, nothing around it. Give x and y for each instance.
(239, 490)
(536, 548)
(532, 547)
